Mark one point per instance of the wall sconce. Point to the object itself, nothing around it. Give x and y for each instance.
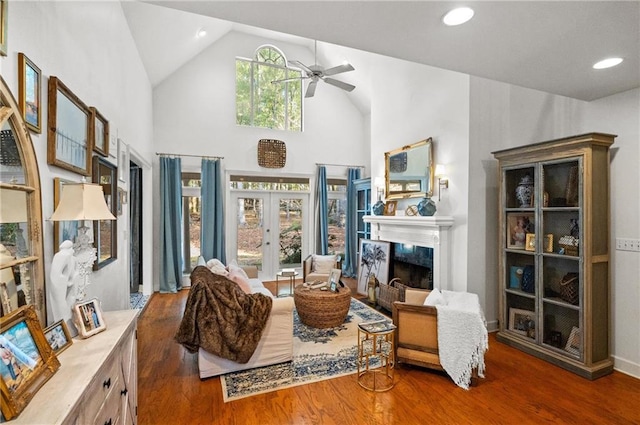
(78, 202)
(443, 181)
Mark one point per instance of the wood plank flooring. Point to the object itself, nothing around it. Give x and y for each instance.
(518, 389)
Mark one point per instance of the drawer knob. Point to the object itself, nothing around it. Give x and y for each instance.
(107, 384)
(124, 392)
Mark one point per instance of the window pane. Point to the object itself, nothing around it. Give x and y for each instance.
(243, 92)
(337, 220)
(250, 218)
(191, 234)
(269, 98)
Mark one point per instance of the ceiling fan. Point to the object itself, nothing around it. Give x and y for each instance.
(317, 73)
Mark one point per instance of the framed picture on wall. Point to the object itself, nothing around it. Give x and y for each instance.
(99, 132)
(63, 230)
(4, 4)
(29, 88)
(374, 260)
(123, 161)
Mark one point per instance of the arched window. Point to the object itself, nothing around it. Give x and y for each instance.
(262, 103)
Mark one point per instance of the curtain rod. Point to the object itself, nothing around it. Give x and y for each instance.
(185, 154)
(342, 165)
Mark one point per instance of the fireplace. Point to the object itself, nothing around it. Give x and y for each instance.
(413, 265)
(428, 232)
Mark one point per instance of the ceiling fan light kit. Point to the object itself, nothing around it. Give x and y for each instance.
(458, 16)
(316, 73)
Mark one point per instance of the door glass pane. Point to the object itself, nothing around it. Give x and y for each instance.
(191, 237)
(290, 233)
(337, 221)
(250, 222)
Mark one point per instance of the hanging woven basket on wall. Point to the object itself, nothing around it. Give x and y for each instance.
(272, 153)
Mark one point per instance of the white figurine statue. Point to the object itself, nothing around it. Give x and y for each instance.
(62, 290)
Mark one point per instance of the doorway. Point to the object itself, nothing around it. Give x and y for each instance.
(135, 227)
(270, 229)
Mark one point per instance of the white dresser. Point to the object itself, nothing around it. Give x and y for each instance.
(96, 382)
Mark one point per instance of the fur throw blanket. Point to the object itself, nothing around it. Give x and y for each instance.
(221, 319)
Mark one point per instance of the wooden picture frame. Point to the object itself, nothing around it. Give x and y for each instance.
(123, 161)
(518, 225)
(520, 322)
(390, 208)
(105, 235)
(62, 230)
(31, 361)
(69, 141)
(4, 19)
(58, 336)
(88, 318)
(29, 89)
(100, 132)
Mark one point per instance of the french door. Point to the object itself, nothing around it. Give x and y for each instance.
(270, 229)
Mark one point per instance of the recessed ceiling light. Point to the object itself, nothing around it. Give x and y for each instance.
(201, 33)
(458, 16)
(607, 63)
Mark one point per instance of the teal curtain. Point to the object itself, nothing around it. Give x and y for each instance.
(212, 213)
(350, 263)
(170, 225)
(322, 212)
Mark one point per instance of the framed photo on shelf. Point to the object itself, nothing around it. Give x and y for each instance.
(530, 243)
(58, 336)
(69, 143)
(27, 359)
(548, 243)
(390, 208)
(87, 316)
(573, 342)
(518, 226)
(522, 322)
(99, 132)
(29, 88)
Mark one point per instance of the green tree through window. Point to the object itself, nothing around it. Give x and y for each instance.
(261, 103)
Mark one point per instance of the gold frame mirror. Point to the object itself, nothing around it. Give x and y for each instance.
(22, 280)
(409, 171)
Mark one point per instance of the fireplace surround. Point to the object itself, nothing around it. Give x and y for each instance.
(432, 232)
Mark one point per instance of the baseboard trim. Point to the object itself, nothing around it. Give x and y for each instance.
(626, 366)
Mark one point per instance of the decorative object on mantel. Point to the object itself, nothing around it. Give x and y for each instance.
(272, 153)
(426, 207)
(379, 207)
(524, 191)
(412, 210)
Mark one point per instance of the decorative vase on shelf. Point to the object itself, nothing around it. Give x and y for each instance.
(426, 207)
(524, 191)
(378, 208)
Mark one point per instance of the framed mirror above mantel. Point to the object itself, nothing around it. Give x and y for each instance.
(409, 171)
(22, 279)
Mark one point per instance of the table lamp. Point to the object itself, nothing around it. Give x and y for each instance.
(80, 202)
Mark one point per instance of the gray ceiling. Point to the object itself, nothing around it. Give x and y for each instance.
(548, 46)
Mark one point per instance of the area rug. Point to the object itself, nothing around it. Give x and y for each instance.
(318, 354)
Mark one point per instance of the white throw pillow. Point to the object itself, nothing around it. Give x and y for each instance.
(233, 267)
(217, 267)
(323, 263)
(435, 298)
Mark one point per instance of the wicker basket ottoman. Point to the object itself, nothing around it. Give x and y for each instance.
(322, 309)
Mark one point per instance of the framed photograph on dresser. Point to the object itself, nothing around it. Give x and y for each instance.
(87, 316)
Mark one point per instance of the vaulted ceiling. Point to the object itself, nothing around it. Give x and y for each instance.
(548, 46)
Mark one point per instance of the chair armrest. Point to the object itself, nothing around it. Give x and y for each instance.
(306, 267)
(339, 262)
(251, 271)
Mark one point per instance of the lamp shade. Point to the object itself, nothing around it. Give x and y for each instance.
(82, 201)
(440, 170)
(13, 206)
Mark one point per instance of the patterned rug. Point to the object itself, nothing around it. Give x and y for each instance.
(318, 354)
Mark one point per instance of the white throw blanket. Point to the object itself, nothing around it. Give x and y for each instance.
(462, 336)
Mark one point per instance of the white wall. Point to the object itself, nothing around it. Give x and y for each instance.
(620, 114)
(194, 113)
(89, 47)
(411, 102)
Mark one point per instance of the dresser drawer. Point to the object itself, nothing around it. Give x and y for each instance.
(107, 382)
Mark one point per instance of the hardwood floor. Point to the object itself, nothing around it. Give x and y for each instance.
(518, 389)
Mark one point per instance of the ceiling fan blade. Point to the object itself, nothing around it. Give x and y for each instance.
(339, 84)
(302, 66)
(286, 80)
(339, 69)
(311, 88)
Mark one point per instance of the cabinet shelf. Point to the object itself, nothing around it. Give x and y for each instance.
(553, 296)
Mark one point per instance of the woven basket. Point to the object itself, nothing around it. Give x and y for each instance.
(569, 290)
(391, 292)
(322, 309)
(272, 153)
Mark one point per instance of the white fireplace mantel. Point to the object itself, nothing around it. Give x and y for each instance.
(432, 232)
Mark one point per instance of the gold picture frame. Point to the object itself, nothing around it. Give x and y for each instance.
(29, 88)
(31, 360)
(58, 336)
(548, 243)
(530, 243)
(390, 208)
(4, 5)
(99, 132)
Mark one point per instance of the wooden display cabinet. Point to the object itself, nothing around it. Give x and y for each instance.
(554, 251)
